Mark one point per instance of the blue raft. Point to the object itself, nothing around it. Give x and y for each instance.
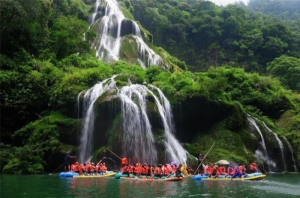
(249, 176)
(76, 175)
(68, 174)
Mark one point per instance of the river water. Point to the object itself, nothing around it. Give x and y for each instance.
(274, 185)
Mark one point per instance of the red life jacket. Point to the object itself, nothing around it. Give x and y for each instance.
(124, 161)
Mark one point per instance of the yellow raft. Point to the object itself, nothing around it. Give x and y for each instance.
(108, 174)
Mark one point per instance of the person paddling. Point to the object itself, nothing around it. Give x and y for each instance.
(200, 161)
(67, 161)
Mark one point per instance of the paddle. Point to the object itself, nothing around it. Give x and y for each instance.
(101, 160)
(113, 153)
(58, 168)
(204, 157)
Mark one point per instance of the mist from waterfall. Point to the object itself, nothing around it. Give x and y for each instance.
(108, 41)
(138, 143)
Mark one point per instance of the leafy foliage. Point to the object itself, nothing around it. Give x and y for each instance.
(203, 34)
(287, 69)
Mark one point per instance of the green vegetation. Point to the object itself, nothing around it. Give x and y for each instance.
(45, 63)
(203, 34)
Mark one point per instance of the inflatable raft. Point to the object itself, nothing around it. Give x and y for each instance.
(152, 179)
(249, 176)
(146, 178)
(76, 175)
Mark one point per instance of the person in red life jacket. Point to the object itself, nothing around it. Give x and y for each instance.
(135, 169)
(142, 169)
(98, 168)
(123, 161)
(215, 172)
(222, 170)
(242, 170)
(174, 168)
(87, 168)
(253, 168)
(237, 172)
(75, 167)
(205, 169)
(151, 170)
(209, 170)
(163, 168)
(81, 169)
(130, 169)
(157, 171)
(168, 170)
(125, 170)
(145, 169)
(93, 168)
(103, 168)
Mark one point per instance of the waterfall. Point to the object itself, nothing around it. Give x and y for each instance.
(89, 98)
(292, 152)
(138, 143)
(93, 17)
(174, 149)
(264, 154)
(108, 43)
(279, 143)
(109, 40)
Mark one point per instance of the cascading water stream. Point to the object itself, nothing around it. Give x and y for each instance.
(109, 40)
(138, 141)
(176, 151)
(93, 17)
(279, 143)
(292, 152)
(89, 98)
(262, 155)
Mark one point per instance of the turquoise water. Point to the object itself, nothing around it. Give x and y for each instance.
(274, 185)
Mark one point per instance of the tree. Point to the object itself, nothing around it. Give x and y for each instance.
(287, 69)
(67, 34)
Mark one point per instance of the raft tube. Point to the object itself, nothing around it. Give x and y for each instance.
(249, 176)
(144, 178)
(68, 174)
(76, 175)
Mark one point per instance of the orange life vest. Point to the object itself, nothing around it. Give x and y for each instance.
(124, 161)
(222, 170)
